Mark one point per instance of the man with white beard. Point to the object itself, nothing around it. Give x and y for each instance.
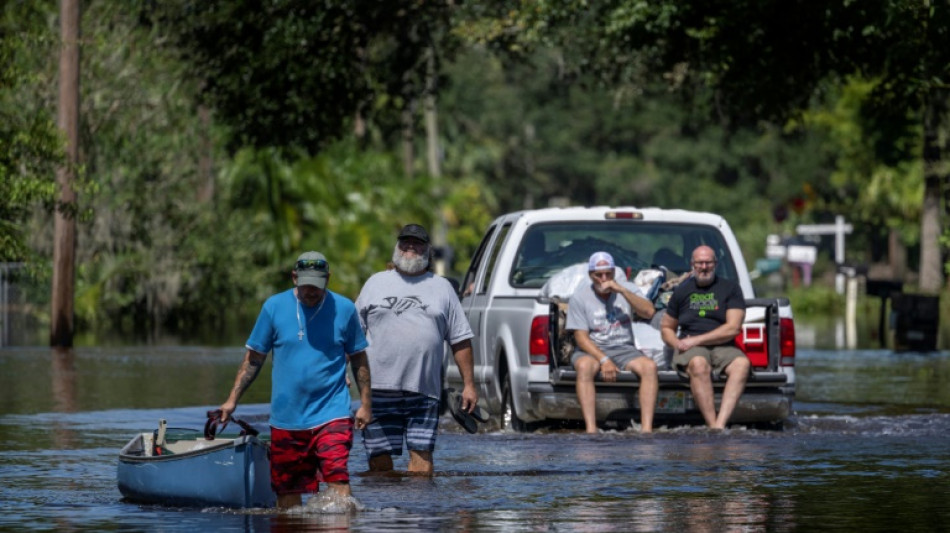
(601, 316)
(408, 313)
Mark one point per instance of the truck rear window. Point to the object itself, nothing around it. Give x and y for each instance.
(548, 248)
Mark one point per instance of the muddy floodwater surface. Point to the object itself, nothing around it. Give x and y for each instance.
(867, 450)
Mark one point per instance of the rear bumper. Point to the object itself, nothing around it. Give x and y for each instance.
(766, 400)
(756, 407)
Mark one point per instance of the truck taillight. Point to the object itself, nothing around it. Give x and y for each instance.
(787, 341)
(539, 345)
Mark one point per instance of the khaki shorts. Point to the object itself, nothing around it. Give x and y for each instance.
(620, 356)
(718, 357)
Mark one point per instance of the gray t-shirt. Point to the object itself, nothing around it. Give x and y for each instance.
(609, 323)
(407, 320)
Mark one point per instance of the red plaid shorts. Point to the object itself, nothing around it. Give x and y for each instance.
(301, 459)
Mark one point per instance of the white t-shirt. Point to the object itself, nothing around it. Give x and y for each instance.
(407, 321)
(609, 323)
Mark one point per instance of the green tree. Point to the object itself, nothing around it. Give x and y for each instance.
(764, 61)
(295, 74)
(156, 251)
(30, 147)
(545, 136)
(345, 202)
(883, 194)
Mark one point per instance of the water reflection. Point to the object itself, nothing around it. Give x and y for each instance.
(289, 522)
(834, 333)
(864, 331)
(867, 449)
(63, 373)
(725, 474)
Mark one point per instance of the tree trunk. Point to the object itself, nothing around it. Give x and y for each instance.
(408, 138)
(931, 261)
(206, 161)
(896, 254)
(359, 121)
(432, 118)
(434, 158)
(64, 228)
(529, 167)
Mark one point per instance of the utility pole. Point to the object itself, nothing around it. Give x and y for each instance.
(64, 228)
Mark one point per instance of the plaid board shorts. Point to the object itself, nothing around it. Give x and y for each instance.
(301, 459)
(397, 414)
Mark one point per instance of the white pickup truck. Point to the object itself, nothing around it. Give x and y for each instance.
(521, 375)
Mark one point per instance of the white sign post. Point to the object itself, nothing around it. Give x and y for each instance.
(839, 229)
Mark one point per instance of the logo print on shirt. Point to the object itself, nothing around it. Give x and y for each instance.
(703, 303)
(401, 305)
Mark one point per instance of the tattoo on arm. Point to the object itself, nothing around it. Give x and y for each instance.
(361, 370)
(248, 372)
(362, 378)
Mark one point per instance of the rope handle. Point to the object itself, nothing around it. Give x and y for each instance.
(214, 420)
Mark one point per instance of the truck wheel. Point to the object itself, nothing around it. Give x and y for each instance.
(510, 420)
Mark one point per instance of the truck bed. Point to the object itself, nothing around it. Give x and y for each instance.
(764, 400)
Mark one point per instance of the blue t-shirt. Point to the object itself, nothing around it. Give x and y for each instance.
(308, 387)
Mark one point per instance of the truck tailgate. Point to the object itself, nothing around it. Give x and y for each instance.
(625, 378)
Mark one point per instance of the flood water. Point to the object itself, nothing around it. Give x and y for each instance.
(867, 449)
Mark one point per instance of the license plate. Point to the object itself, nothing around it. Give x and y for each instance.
(671, 402)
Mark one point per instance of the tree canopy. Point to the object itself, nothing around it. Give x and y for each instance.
(219, 139)
(29, 144)
(294, 73)
(774, 60)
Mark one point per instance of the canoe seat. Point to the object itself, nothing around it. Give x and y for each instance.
(181, 440)
(183, 446)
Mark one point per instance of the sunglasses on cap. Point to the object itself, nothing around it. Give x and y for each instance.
(313, 264)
